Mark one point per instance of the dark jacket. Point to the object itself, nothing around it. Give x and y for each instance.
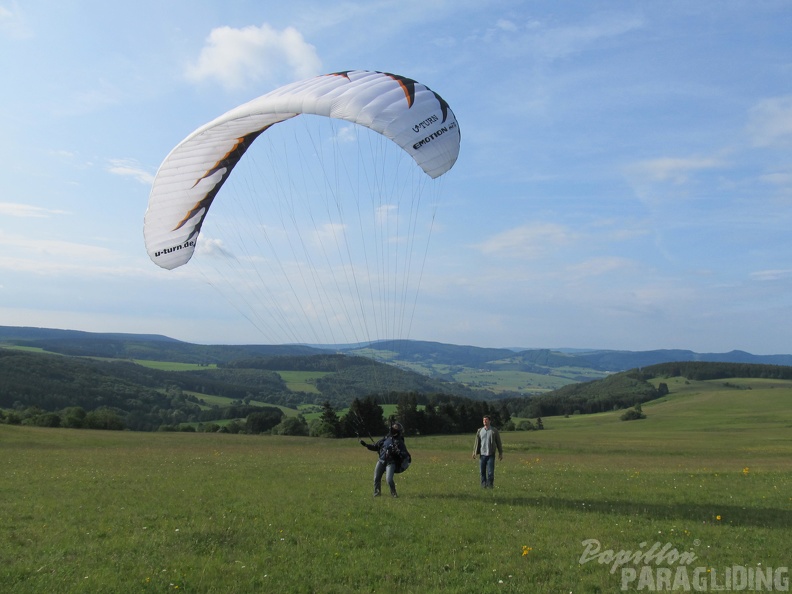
(392, 450)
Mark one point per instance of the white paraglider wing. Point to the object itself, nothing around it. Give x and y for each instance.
(399, 108)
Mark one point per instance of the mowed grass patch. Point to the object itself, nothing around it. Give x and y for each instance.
(173, 365)
(516, 381)
(88, 511)
(302, 381)
(209, 399)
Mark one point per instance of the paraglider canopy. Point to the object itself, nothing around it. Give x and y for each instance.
(401, 109)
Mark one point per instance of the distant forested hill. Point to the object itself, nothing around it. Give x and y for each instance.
(629, 388)
(119, 392)
(422, 355)
(139, 346)
(145, 398)
(538, 359)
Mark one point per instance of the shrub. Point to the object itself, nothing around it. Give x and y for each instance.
(103, 418)
(73, 417)
(632, 414)
(320, 428)
(291, 426)
(260, 422)
(44, 420)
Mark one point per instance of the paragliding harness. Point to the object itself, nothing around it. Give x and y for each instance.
(395, 453)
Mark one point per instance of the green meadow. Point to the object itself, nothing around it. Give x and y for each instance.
(514, 381)
(172, 365)
(297, 381)
(707, 474)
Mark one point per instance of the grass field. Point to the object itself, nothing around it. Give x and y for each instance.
(708, 473)
(302, 381)
(297, 381)
(512, 381)
(172, 365)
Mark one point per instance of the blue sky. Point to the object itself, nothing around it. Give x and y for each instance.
(625, 178)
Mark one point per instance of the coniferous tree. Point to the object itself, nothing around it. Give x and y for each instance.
(329, 420)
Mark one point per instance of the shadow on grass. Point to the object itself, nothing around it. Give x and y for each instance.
(731, 515)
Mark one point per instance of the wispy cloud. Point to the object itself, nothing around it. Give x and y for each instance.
(130, 168)
(46, 256)
(560, 42)
(328, 234)
(238, 57)
(770, 122)
(12, 22)
(527, 241)
(548, 42)
(673, 169)
(346, 134)
(778, 178)
(14, 209)
(102, 95)
(598, 267)
(214, 248)
(772, 275)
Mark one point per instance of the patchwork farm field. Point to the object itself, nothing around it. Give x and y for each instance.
(707, 476)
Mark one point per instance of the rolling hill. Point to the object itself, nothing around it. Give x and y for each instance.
(45, 372)
(501, 371)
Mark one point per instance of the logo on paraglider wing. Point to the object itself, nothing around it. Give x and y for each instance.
(189, 243)
(437, 133)
(425, 124)
(408, 86)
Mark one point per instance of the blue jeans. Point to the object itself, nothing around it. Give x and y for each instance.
(487, 469)
(388, 471)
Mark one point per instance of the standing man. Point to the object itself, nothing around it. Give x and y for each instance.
(487, 441)
(393, 458)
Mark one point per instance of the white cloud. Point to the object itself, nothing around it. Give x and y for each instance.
(385, 213)
(527, 241)
(55, 248)
(12, 22)
(12, 209)
(778, 178)
(103, 95)
(328, 234)
(506, 25)
(55, 257)
(560, 42)
(213, 248)
(673, 169)
(598, 267)
(770, 121)
(541, 39)
(771, 275)
(130, 168)
(238, 57)
(346, 134)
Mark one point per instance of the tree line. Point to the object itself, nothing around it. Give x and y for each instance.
(615, 392)
(58, 391)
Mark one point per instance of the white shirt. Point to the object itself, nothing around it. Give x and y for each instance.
(487, 447)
